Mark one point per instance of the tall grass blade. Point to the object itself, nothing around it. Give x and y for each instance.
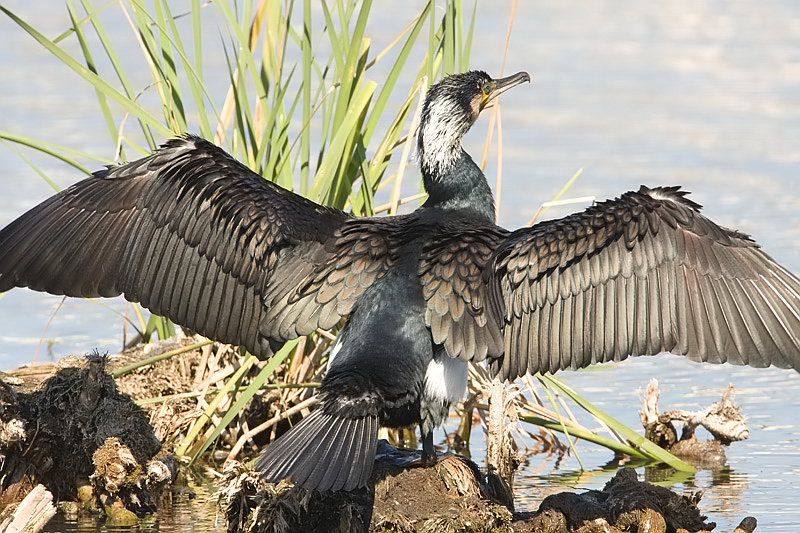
(57, 151)
(90, 76)
(246, 395)
(634, 438)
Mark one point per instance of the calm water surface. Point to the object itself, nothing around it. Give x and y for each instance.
(699, 93)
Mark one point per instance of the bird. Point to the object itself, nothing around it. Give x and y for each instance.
(194, 235)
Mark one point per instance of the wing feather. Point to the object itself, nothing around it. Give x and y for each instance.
(195, 236)
(639, 275)
(462, 312)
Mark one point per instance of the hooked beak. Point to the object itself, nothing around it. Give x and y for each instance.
(503, 84)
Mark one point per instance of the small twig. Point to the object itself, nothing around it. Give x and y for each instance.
(33, 439)
(205, 353)
(327, 334)
(160, 357)
(268, 424)
(555, 201)
(408, 199)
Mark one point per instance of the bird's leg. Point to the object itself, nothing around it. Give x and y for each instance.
(428, 451)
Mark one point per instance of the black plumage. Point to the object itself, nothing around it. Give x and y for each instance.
(195, 236)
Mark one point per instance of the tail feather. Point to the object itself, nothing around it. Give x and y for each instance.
(359, 452)
(323, 452)
(277, 461)
(337, 449)
(364, 455)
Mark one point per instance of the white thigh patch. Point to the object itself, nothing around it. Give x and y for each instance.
(446, 379)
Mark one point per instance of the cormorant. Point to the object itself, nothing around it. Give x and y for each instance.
(193, 235)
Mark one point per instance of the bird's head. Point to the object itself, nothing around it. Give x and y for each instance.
(451, 107)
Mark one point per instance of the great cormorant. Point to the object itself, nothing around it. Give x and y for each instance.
(193, 235)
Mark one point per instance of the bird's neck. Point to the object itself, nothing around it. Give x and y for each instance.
(460, 186)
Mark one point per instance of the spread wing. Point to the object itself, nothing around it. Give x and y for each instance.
(462, 312)
(639, 275)
(195, 236)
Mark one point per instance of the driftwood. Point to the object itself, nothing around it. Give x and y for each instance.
(723, 419)
(31, 514)
(501, 456)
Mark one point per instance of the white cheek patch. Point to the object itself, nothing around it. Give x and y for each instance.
(475, 105)
(446, 379)
(442, 135)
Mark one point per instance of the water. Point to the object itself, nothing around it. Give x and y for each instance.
(191, 507)
(699, 93)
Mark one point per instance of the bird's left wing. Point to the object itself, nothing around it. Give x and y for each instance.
(195, 236)
(639, 275)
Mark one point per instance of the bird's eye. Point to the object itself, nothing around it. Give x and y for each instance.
(487, 89)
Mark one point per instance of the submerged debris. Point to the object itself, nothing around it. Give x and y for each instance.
(125, 488)
(624, 504)
(724, 420)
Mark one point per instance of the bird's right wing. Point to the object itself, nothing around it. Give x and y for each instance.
(639, 275)
(195, 236)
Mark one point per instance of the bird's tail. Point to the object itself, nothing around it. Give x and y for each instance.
(323, 452)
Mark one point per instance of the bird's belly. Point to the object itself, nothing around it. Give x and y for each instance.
(384, 349)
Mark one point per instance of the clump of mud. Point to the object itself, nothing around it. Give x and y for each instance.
(74, 427)
(624, 504)
(451, 496)
(81, 438)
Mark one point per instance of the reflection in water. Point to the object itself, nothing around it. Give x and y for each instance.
(758, 473)
(724, 491)
(187, 507)
(730, 493)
